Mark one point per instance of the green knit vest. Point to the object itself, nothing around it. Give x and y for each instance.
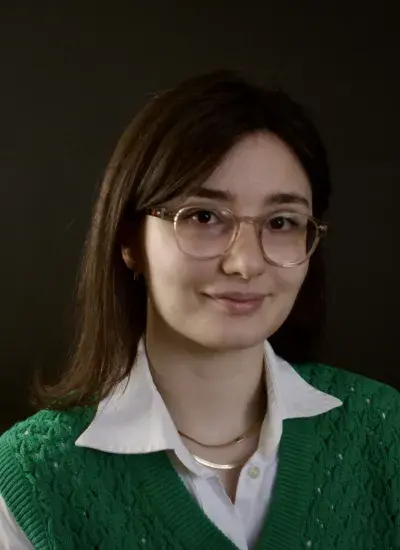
(337, 485)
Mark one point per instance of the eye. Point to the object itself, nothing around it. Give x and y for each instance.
(280, 223)
(287, 222)
(202, 216)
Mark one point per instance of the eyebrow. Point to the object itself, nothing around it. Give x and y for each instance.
(277, 198)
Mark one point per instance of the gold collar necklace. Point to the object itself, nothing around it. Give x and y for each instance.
(215, 466)
(235, 441)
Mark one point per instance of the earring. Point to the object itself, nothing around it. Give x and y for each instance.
(135, 276)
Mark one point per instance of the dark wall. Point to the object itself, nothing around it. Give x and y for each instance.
(72, 79)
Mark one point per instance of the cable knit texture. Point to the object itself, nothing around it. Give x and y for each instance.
(337, 486)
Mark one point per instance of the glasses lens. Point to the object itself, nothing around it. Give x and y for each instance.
(289, 238)
(203, 232)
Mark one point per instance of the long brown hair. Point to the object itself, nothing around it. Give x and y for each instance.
(173, 144)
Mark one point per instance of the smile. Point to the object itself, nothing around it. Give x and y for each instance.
(238, 303)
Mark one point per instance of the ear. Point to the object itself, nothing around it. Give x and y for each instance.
(128, 246)
(127, 256)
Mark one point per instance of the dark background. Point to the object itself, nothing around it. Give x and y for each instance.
(73, 75)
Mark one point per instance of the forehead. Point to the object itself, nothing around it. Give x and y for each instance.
(259, 165)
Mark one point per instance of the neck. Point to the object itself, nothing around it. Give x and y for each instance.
(212, 395)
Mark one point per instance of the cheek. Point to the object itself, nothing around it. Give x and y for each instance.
(168, 269)
(289, 280)
(158, 238)
(288, 283)
(162, 255)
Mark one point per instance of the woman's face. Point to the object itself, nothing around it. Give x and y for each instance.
(183, 290)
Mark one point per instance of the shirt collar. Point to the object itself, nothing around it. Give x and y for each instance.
(289, 396)
(134, 418)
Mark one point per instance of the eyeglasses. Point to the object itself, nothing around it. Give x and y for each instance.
(287, 239)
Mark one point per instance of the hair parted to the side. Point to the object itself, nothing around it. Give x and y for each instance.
(171, 147)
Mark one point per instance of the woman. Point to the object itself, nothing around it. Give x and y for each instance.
(180, 424)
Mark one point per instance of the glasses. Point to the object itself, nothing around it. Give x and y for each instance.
(287, 239)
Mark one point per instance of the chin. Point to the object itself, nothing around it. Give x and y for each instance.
(229, 333)
(236, 344)
(227, 338)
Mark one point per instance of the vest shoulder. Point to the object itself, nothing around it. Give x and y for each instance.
(52, 429)
(345, 384)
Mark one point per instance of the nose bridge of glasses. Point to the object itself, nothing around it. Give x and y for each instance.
(252, 221)
(255, 221)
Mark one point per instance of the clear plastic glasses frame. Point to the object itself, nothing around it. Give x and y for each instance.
(258, 222)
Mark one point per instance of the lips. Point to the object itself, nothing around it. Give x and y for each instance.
(239, 296)
(238, 302)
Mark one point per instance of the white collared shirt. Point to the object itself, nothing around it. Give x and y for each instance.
(135, 420)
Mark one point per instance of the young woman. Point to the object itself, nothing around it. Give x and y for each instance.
(180, 423)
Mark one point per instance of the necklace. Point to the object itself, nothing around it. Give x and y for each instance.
(238, 439)
(214, 465)
(209, 464)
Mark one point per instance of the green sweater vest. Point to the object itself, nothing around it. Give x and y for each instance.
(337, 486)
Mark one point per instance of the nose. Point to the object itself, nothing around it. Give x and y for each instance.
(245, 257)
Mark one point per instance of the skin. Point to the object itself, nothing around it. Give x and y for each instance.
(206, 361)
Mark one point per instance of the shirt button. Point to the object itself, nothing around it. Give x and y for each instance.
(254, 472)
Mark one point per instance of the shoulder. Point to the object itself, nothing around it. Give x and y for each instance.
(367, 403)
(39, 455)
(48, 426)
(37, 441)
(345, 384)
